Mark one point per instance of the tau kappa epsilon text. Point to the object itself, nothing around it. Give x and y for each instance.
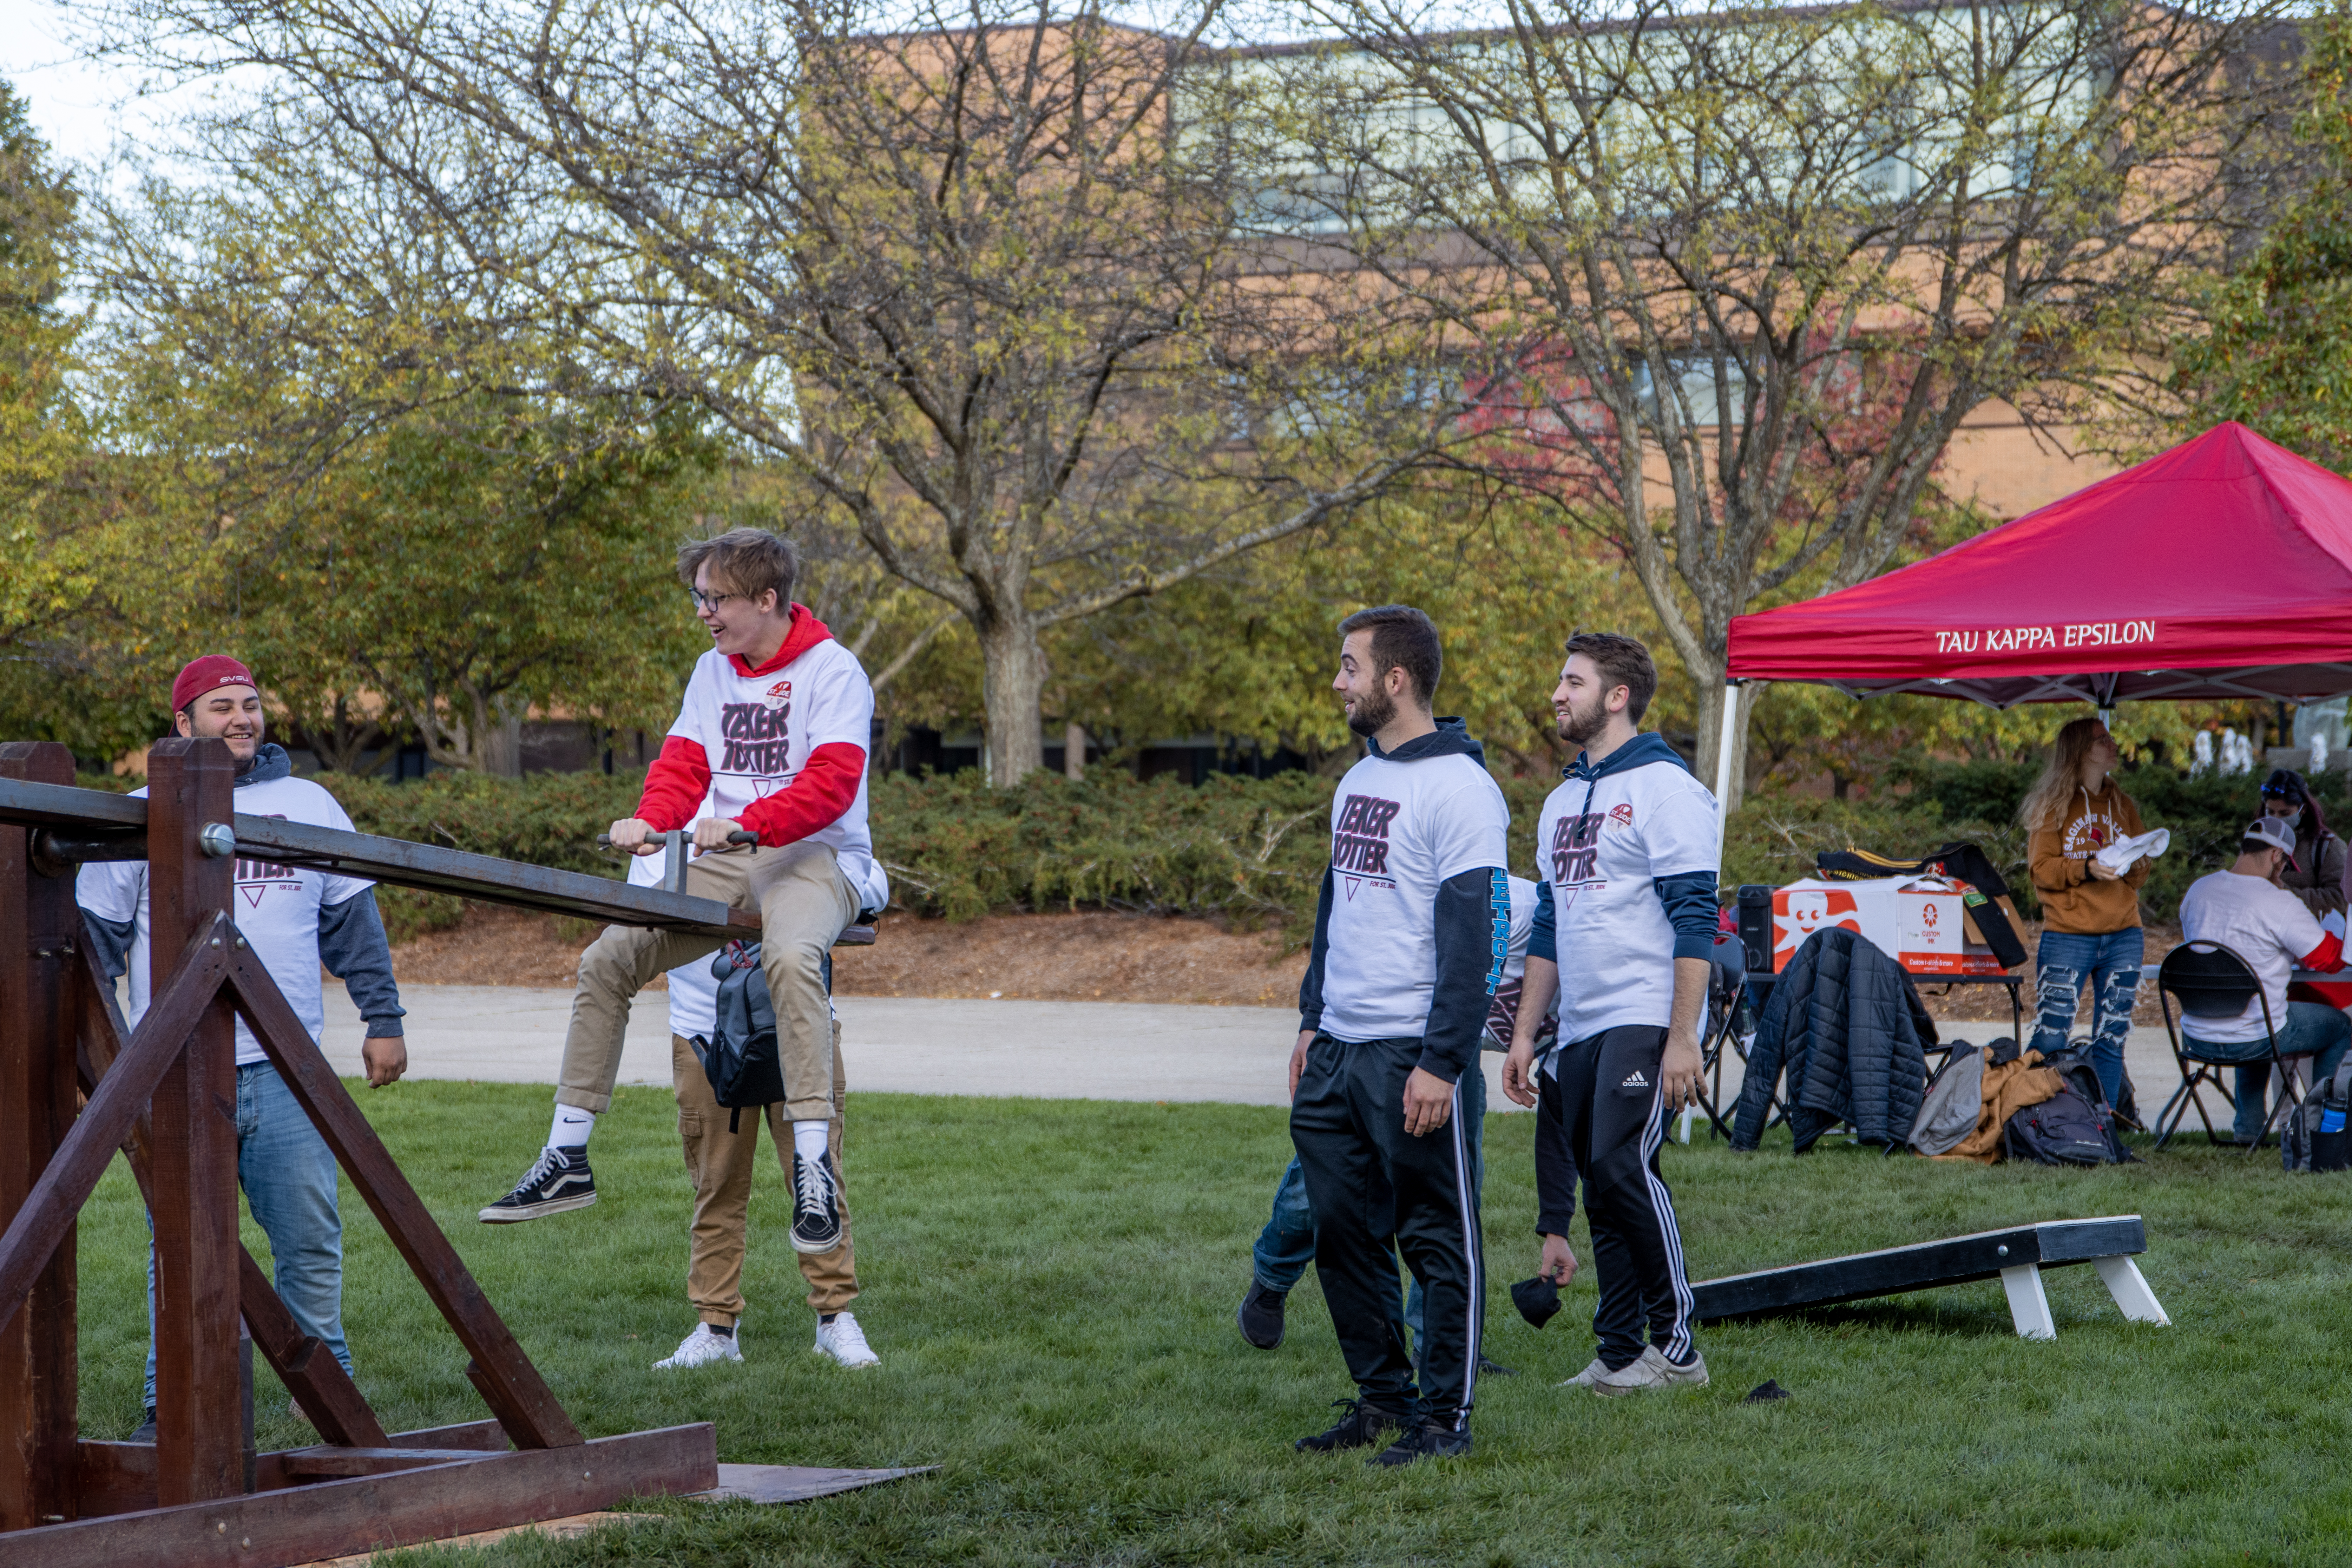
(2024, 640)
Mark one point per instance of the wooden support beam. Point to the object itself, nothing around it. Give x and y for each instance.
(32, 1237)
(200, 1453)
(480, 1434)
(509, 1385)
(331, 1401)
(361, 1513)
(38, 930)
(325, 1460)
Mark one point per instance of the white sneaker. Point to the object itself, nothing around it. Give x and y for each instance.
(845, 1342)
(1652, 1371)
(1590, 1375)
(702, 1347)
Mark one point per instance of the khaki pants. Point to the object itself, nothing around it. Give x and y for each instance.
(719, 1164)
(804, 904)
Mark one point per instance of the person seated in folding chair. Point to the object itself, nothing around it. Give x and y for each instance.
(297, 920)
(2246, 909)
(1287, 1245)
(770, 738)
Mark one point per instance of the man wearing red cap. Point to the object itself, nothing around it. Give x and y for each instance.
(295, 921)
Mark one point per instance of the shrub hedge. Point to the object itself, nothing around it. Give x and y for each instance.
(1251, 850)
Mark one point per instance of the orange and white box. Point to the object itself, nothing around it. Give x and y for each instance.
(1916, 921)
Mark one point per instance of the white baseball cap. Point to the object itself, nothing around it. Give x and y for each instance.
(2276, 832)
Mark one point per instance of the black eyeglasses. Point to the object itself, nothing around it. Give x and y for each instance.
(703, 601)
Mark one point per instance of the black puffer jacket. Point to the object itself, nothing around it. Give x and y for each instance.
(1847, 1023)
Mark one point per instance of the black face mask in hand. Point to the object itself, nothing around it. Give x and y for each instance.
(1537, 1300)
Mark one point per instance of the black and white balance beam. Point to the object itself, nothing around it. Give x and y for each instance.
(2016, 1257)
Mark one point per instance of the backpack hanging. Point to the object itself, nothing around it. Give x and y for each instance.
(2307, 1140)
(741, 1058)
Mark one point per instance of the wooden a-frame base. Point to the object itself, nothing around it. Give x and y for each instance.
(199, 1495)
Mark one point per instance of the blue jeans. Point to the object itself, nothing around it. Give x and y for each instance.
(1287, 1245)
(288, 1177)
(2111, 965)
(2312, 1028)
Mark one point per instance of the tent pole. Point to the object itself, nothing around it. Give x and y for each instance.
(1725, 742)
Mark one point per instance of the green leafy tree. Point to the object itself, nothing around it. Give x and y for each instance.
(2277, 354)
(358, 470)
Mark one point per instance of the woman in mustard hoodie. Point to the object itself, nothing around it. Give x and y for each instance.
(2090, 915)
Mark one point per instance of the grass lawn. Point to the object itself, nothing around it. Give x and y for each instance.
(1051, 1287)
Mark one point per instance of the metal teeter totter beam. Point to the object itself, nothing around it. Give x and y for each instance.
(164, 1094)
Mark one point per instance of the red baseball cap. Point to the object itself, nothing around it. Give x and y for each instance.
(203, 674)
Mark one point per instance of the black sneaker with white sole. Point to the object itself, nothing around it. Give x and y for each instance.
(1361, 1426)
(561, 1180)
(816, 1204)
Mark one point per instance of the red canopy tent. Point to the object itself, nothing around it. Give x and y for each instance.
(2219, 569)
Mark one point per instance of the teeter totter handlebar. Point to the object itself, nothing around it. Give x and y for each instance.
(673, 845)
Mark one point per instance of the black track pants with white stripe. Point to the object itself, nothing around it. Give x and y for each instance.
(1603, 1117)
(1374, 1186)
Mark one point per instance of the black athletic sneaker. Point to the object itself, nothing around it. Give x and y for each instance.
(1361, 1427)
(1488, 1367)
(816, 1204)
(146, 1433)
(1261, 1316)
(560, 1180)
(1426, 1440)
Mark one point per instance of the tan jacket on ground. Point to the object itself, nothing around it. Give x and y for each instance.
(2008, 1089)
(2058, 858)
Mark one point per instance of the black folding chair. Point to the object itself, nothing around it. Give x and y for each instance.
(2210, 981)
(1726, 996)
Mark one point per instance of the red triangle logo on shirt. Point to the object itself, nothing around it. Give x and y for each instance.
(253, 894)
(1352, 883)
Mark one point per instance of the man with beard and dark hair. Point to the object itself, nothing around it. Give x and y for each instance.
(1625, 928)
(1411, 935)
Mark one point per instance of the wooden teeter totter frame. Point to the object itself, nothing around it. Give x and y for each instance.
(2016, 1257)
(166, 1096)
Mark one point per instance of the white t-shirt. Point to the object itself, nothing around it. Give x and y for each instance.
(275, 906)
(2268, 927)
(1612, 940)
(1399, 831)
(756, 733)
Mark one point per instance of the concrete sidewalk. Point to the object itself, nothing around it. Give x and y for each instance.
(1047, 1050)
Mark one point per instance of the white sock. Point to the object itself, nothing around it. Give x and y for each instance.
(808, 1140)
(571, 1128)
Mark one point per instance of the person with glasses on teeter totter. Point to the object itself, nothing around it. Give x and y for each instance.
(772, 735)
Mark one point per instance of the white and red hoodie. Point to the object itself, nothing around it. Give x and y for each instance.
(780, 748)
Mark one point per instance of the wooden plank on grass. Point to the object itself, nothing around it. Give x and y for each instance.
(509, 1385)
(330, 1519)
(1926, 1265)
